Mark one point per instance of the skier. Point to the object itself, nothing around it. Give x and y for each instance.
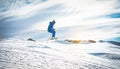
(51, 29)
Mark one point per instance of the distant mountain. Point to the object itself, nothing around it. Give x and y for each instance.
(14, 4)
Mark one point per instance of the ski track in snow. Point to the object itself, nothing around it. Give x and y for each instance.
(44, 55)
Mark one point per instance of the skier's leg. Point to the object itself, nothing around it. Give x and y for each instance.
(53, 34)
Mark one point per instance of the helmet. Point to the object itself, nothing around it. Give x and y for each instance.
(53, 21)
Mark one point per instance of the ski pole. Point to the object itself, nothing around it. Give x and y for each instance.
(48, 38)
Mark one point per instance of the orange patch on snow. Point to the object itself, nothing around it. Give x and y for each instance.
(79, 41)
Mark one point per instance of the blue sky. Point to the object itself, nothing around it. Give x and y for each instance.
(65, 12)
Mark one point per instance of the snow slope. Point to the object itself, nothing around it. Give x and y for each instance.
(21, 54)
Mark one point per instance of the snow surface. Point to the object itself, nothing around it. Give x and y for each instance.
(23, 54)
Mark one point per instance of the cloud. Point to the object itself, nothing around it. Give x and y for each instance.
(65, 12)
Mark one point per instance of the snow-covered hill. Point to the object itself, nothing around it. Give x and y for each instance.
(23, 54)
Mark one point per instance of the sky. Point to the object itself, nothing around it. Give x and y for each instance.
(37, 15)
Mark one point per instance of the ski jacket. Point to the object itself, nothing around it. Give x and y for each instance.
(50, 27)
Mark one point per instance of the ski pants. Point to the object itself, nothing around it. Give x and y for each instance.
(53, 32)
